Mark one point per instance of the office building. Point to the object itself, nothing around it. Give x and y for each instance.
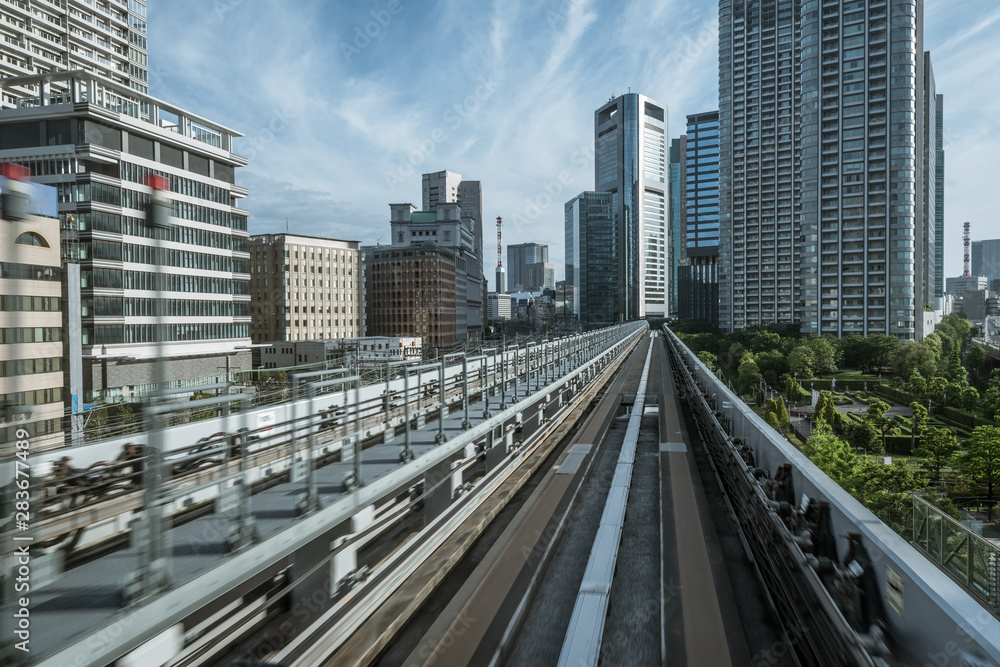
(938, 142)
(501, 280)
(31, 327)
(631, 163)
(426, 282)
(958, 286)
(519, 257)
(98, 145)
(986, 259)
(678, 214)
(305, 288)
(539, 276)
(698, 278)
(498, 307)
(444, 187)
(106, 38)
(591, 269)
(822, 132)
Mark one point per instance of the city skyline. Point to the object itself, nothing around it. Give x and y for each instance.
(391, 105)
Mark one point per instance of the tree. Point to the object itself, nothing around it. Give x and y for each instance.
(991, 403)
(824, 355)
(916, 357)
(956, 371)
(830, 453)
(802, 362)
(982, 462)
(776, 415)
(953, 394)
(98, 421)
(826, 410)
(938, 447)
(918, 385)
(886, 490)
(862, 435)
(734, 355)
(708, 359)
(749, 375)
(919, 419)
(793, 392)
(127, 418)
(970, 398)
(975, 359)
(882, 350)
(936, 386)
(772, 364)
(765, 341)
(876, 417)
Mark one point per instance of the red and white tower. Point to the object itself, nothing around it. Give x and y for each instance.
(966, 246)
(501, 286)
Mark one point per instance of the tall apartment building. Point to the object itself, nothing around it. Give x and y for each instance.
(519, 257)
(986, 259)
(104, 37)
(937, 118)
(426, 282)
(821, 166)
(676, 257)
(305, 288)
(98, 144)
(31, 327)
(631, 164)
(591, 269)
(698, 278)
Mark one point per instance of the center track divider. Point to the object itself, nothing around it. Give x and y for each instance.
(582, 645)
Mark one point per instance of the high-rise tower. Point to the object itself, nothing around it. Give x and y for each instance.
(631, 164)
(104, 38)
(822, 157)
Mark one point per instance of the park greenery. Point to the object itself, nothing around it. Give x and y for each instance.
(932, 405)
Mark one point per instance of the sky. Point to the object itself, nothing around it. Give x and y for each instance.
(345, 104)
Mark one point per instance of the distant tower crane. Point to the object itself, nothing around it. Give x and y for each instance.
(966, 244)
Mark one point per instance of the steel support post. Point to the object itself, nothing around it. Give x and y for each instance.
(407, 453)
(466, 424)
(442, 405)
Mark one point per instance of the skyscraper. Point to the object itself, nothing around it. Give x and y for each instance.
(821, 166)
(986, 259)
(107, 39)
(631, 164)
(698, 283)
(590, 258)
(519, 257)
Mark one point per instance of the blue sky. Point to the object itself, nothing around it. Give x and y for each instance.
(345, 104)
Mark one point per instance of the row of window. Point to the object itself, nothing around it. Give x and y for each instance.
(141, 254)
(182, 186)
(30, 366)
(141, 280)
(79, 193)
(182, 308)
(111, 334)
(13, 271)
(36, 397)
(21, 304)
(34, 429)
(118, 224)
(30, 335)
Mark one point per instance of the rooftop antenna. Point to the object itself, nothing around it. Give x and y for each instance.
(286, 225)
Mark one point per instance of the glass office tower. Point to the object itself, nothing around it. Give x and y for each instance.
(631, 164)
(698, 288)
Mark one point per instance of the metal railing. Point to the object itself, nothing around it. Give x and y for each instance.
(969, 558)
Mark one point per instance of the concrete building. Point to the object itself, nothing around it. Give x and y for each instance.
(986, 259)
(519, 257)
(99, 144)
(978, 305)
(427, 283)
(631, 163)
(345, 352)
(305, 288)
(823, 166)
(591, 270)
(698, 277)
(960, 285)
(31, 327)
(498, 307)
(106, 38)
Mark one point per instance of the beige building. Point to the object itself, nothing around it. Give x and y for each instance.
(31, 332)
(305, 288)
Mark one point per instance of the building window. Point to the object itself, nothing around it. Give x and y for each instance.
(33, 239)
